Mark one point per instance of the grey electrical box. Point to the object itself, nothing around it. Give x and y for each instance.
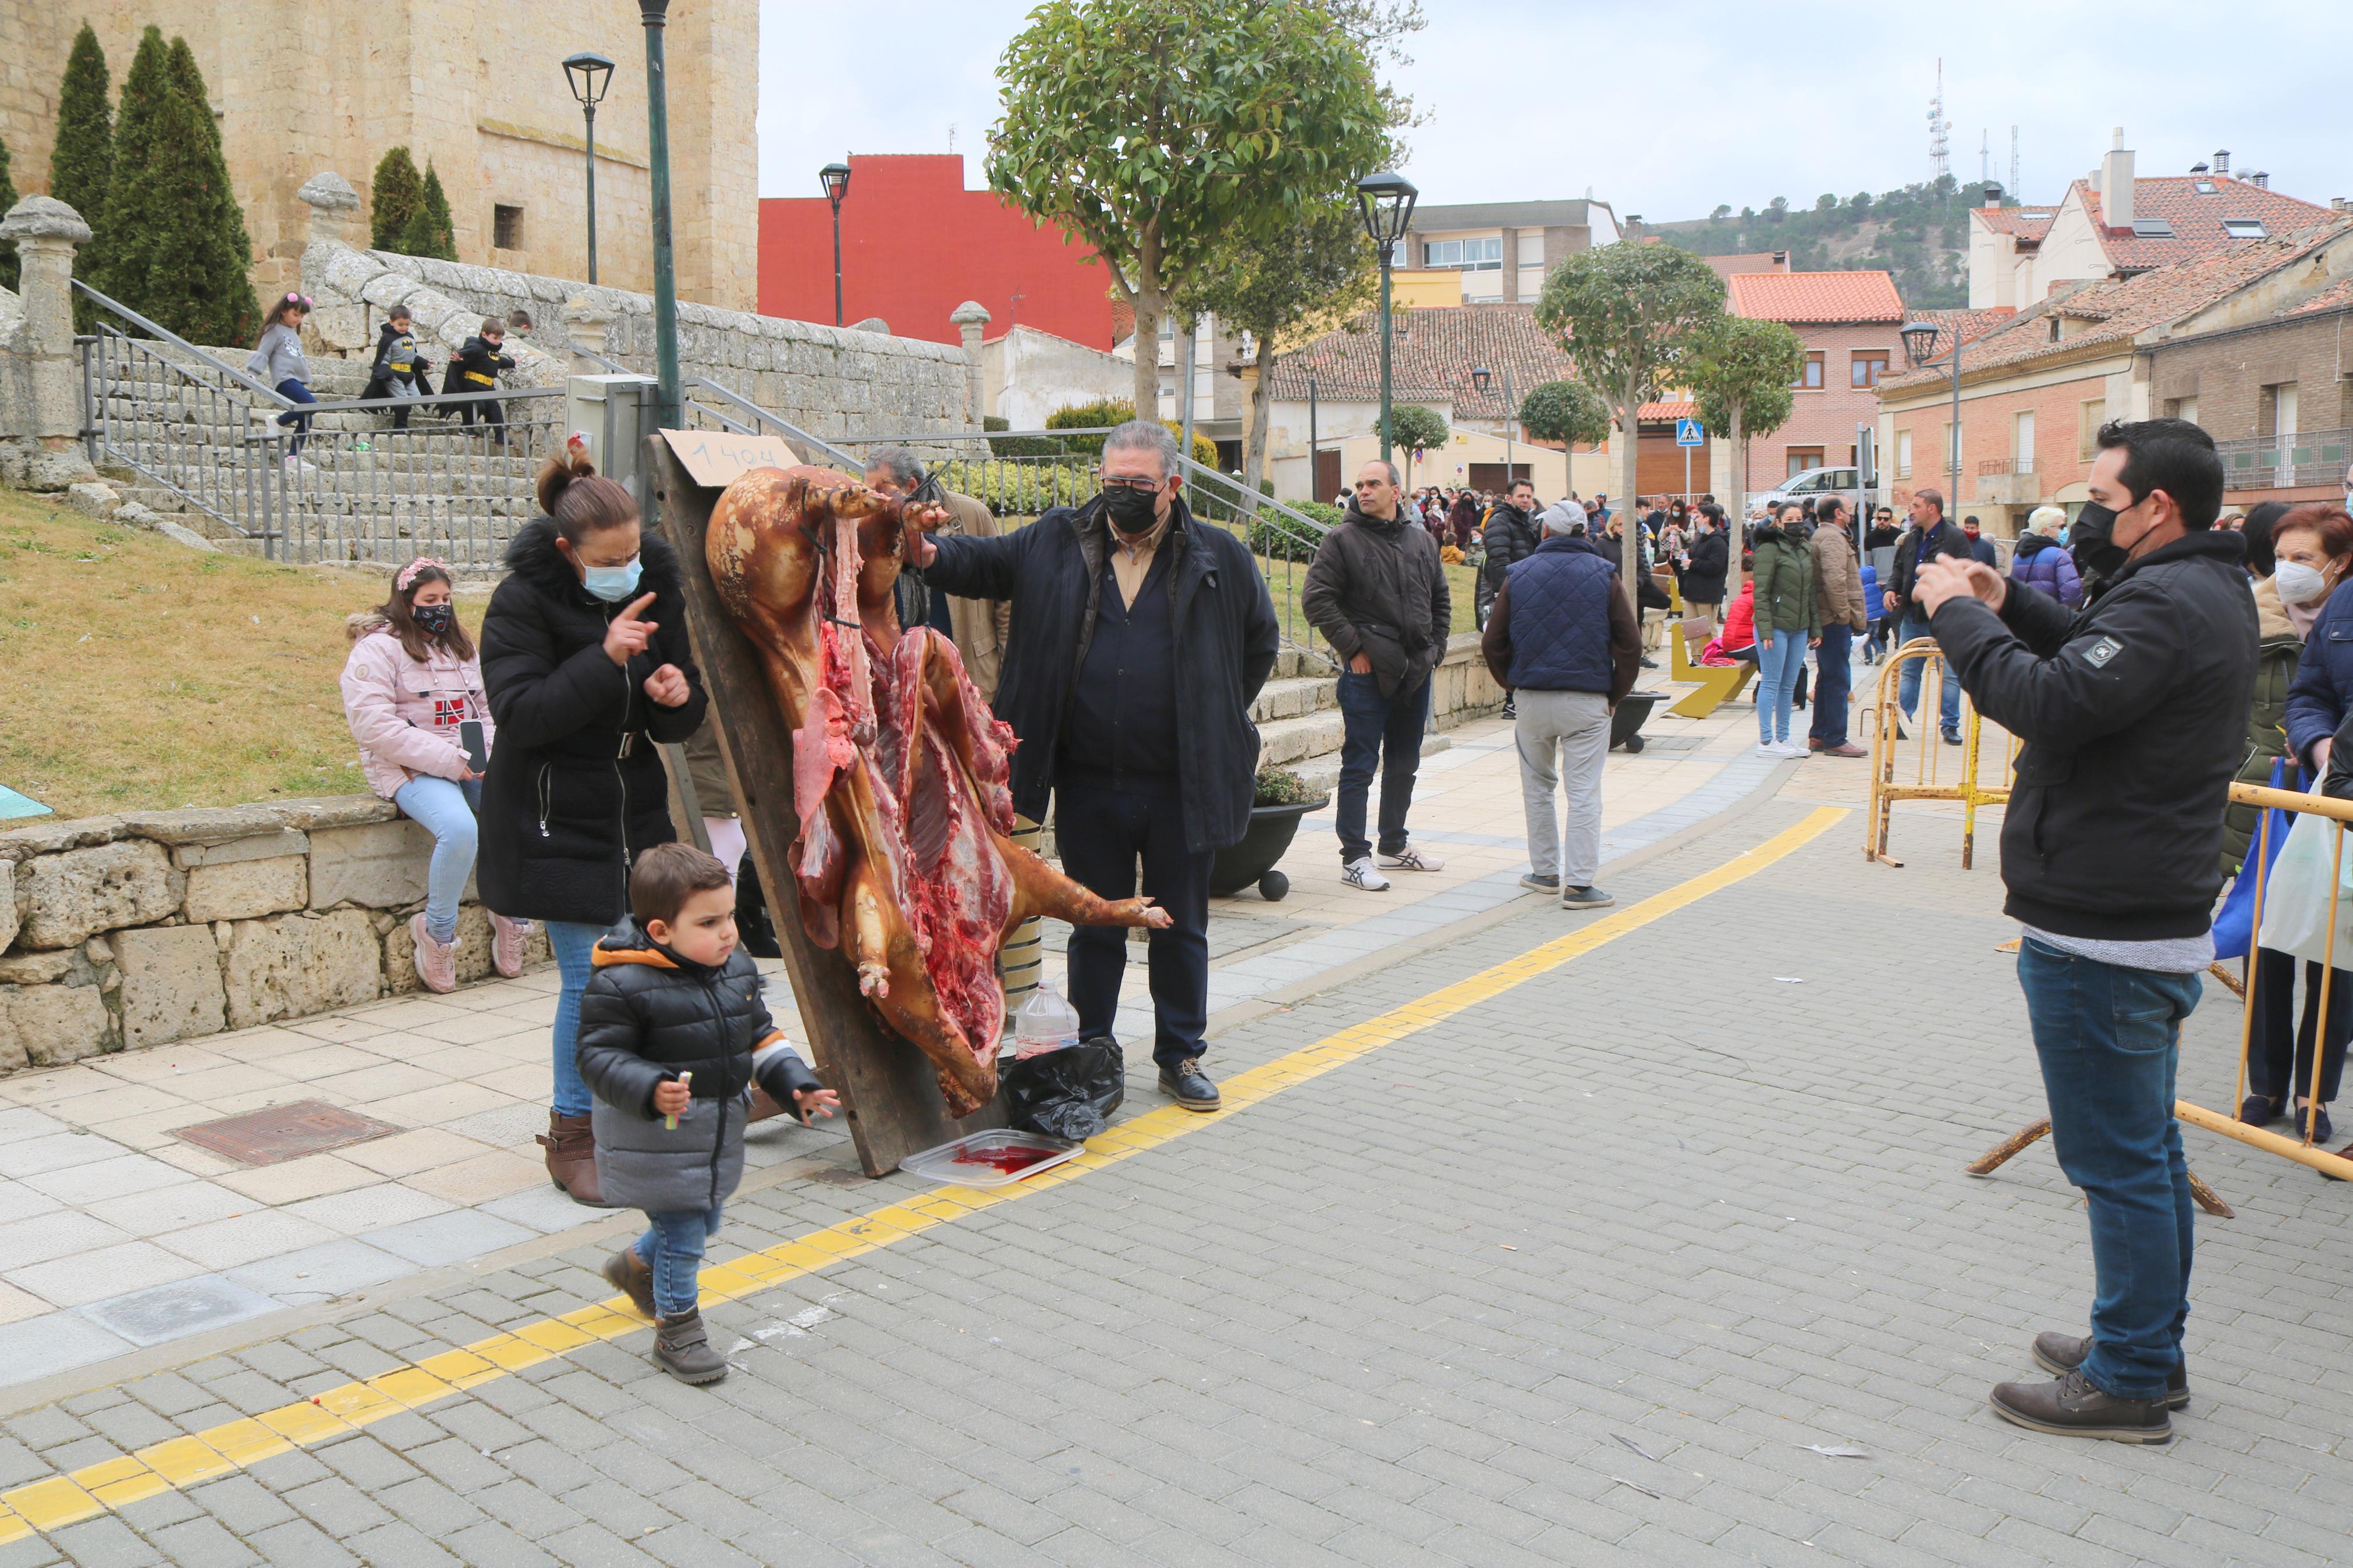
(616, 413)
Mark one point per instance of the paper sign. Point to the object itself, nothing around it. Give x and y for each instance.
(717, 458)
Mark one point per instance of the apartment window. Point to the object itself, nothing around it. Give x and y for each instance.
(2276, 410)
(1903, 454)
(2021, 442)
(1866, 369)
(2186, 408)
(1952, 446)
(1804, 460)
(2091, 414)
(1810, 378)
(506, 227)
(1471, 254)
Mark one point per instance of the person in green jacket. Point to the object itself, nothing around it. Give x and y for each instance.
(1789, 621)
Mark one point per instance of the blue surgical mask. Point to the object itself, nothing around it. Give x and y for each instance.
(612, 583)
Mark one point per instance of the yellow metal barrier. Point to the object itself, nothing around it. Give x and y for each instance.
(2304, 1153)
(1884, 724)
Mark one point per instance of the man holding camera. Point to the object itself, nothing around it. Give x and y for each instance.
(2134, 717)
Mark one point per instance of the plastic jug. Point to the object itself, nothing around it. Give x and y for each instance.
(1043, 1023)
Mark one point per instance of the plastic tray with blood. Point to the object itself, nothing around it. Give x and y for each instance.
(997, 1158)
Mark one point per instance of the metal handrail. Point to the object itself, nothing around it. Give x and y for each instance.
(169, 336)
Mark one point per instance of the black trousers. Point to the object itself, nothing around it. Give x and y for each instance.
(1101, 834)
(2279, 1057)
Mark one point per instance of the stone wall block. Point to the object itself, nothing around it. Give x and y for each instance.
(48, 1026)
(260, 847)
(291, 966)
(246, 889)
(171, 984)
(473, 949)
(68, 897)
(382, 865)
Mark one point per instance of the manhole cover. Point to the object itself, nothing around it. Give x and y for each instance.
(279, 1133)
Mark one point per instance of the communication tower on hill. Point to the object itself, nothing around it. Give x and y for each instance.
(1940, 160)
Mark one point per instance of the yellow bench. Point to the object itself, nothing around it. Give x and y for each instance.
(1717, 683)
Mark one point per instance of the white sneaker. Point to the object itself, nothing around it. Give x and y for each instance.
(1790, 749)
(295, 465)
(1359, 873)
(1410, 858)
(1767, 749)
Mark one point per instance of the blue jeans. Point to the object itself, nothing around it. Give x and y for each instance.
(1835, 677)
(294, 389)
(447, 809)
(1383, 731)
(1779, 657)
(574, 945)
(1908, 689)
(673, 1247)
(2108, 1037)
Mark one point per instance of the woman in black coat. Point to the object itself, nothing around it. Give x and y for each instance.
(586, 661)
(1700, 572)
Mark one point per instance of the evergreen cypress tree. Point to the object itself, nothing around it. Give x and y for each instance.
(84, 153)
(127, 226)
(394, 200)
(432, 232)
(7, 200)
(198, 278)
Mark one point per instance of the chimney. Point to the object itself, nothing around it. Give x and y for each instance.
(2116, 184)
(2260, 180)
(1780, 261)
(2222, 161)
(2340, 203)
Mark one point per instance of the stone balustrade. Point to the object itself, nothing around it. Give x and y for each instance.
(141, 929)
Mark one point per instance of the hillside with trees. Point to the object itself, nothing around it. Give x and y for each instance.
(1919, 234)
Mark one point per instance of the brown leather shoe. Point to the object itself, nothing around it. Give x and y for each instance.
(572, 1158)
(2074, 1407)
(626, 1272)
(2059, 1354)
(1846, 749)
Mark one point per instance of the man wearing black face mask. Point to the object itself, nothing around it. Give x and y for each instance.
(2133, 712)
(1138, 641)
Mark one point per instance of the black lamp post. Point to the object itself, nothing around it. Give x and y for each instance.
(589, 74)
(835, 178)
(1482, 378)
(656, 15)
(1919, 347)
(1386, 200)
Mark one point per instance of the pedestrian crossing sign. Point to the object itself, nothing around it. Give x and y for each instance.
(1688, 434)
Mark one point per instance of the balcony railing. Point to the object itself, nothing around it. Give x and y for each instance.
(1988, 467)
(2286, 462)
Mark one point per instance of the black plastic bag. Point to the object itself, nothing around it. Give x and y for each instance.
(753, 924)
(1069, 1093)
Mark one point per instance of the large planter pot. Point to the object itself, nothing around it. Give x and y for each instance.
(1626, 724)
(1251, 859)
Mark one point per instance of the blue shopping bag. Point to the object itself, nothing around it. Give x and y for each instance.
(2234, 922)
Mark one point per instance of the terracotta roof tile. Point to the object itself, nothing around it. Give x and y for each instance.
(2337, 296)
(1659, 412)
(1968, 323)
(2197, 220)
(2119, 309)
(1815, 297)
(1433, 360)
(2027, 223)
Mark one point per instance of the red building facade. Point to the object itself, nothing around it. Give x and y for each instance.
(916, 245)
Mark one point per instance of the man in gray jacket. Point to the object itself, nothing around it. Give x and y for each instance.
(1377, 594)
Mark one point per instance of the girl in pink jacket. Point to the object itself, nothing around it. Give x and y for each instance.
(411, 679)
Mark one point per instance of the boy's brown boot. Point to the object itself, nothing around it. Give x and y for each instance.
(626, 1272)
(684, 1350)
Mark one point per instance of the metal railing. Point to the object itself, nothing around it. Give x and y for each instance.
(2286, 462)
(710, 406)
(457, 483)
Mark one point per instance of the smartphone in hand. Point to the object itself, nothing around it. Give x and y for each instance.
(471, 742)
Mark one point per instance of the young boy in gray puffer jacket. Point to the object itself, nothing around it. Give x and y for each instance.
(672, 1036)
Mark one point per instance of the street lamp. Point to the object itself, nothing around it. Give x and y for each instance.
(1386, 200)
(655, 15)
(589, 74)
(1481, 378)
(1919, 347)
(835, 178)
(1315, 447)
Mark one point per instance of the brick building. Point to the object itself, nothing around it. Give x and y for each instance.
(2036, 387)
(476, 90)
(1849, 321)
(2274, 393)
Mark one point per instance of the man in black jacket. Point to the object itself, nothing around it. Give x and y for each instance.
(2134, 716)
(1377, 594)
(1929, 538)
(1139, 637)
(1510, 535)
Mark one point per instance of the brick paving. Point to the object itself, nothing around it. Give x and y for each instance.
(1573, 1277)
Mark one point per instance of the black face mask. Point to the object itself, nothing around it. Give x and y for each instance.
(1131, 510)
(434, 620)
(2090, 540)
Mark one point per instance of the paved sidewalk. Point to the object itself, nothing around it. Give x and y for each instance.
(1566, 1240)
(116, 1236)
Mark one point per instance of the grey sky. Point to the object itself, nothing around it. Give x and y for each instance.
(1667, 109)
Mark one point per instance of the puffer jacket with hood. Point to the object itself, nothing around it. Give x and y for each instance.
(1784, 575)
(404, 713)
(575, 787)
(648, 1016)
(2038, 563)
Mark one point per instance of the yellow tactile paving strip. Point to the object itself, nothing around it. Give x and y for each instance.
(61, 1501)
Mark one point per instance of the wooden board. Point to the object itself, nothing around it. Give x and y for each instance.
(888, 1090)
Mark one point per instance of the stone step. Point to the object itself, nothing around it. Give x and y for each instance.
(1293, 698)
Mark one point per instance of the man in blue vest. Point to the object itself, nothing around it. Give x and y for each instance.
(1562, 633)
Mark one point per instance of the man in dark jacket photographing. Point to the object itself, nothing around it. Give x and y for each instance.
(1138, 639)
(2133, 715)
